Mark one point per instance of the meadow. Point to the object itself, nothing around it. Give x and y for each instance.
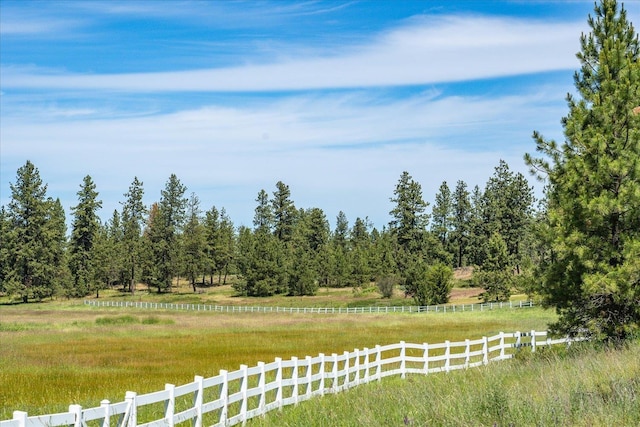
(61, 352)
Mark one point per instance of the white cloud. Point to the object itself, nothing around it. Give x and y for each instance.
(426, 51)
(340, 151)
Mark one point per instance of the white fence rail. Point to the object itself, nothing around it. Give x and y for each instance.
(319, 310)
(234, 397)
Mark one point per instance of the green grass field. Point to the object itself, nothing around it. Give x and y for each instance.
(62, 352)
(57, 353)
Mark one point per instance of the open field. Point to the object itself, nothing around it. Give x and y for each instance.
(57, 353)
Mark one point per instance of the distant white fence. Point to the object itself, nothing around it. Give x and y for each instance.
(234, 397)
(319, 310)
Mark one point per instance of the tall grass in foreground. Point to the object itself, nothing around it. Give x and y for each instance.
(582, 386)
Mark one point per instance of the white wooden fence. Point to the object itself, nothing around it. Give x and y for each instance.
(449, 308)
(234, 397)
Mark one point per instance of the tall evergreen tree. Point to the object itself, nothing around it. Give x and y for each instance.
(36, 251)
(84, 233)
(226, 246)
(263, 214)
(477, 228)
(461, 207)
(284, 212)
(153, 248)
(593, 276)
(508, 210)
(220, 242)
(341, 231)
(339, 269)
(194, 242)
(172, 210)
(409, 218)
(112, 268)
(359, 255)
(56, 229)
(133, 217)
(496, 275)
(442, 215)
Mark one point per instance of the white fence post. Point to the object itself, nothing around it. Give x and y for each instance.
(262, 385)
(403, 360)
(197, 401)
(356, 367)
(447, 355)
(346, 382)
(170, 405)
(366, 364)
(378, 363)
(130, 398)
(467, 352)
(425, 357)
(308, 373)
(501, 345)
(243, 391)
(321, 370)
(485, 350)
(224, 396)
(105, 404)
(533, 341)
(294, 377)
(21, 416)
(279, 382)
(334, 373)
(77, 411)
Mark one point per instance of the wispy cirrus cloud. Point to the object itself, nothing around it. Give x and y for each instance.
(428, 51)
(326, 147)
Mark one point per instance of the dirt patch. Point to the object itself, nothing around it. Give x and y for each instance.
(463, 273)
(464, 293)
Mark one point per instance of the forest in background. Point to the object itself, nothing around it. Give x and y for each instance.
(289, 250)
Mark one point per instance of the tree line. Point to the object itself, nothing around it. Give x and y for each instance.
(289, 250)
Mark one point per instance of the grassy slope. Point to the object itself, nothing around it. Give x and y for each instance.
(580, 387)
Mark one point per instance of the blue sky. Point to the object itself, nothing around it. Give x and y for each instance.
(334, 98)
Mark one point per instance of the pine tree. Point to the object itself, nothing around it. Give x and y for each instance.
(359, 254)
(263, 215)
(133, 217)
(84, 233)
(226, 245)
(284, 212)
(508, 210)
(56, 230)
(152, 248)
(172, 211)
(409, 218)
(110, 262)
(36, 237)
(194, 242)
(496, 275)
(477, 229)
(442, 215)
(593, 277)
(460, 222)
